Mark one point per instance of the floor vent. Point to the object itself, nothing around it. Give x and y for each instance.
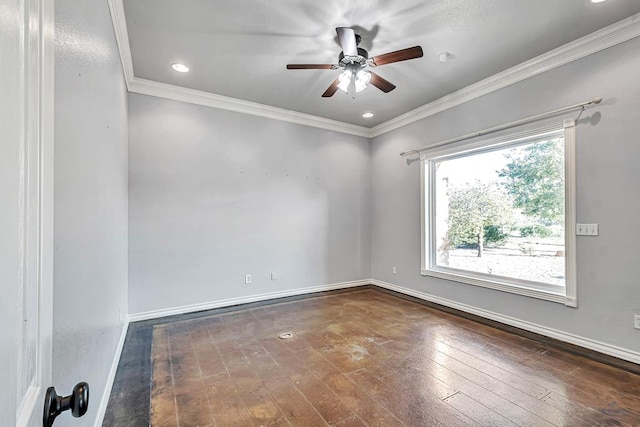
(285, 335)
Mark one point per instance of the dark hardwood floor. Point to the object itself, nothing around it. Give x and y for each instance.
(361, 358)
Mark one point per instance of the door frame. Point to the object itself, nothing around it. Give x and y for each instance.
(39, 61)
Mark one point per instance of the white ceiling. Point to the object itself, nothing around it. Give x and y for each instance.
(239, 48)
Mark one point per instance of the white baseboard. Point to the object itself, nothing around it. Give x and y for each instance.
(590, 344)
(102, 409)
(242, 300)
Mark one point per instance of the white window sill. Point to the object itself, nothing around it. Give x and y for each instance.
(547, 293)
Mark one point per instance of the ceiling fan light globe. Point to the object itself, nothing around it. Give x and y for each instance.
(344, 79)
(362, 80)
(364, 76)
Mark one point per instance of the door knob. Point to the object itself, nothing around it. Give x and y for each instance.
(54, 405)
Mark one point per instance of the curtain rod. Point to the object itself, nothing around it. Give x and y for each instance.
(509, 125)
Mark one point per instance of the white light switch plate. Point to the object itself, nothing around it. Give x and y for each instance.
(636, 321)
(587, 229)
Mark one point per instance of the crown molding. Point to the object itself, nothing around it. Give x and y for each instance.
(116, 8)
(192, 96)
(612, 35)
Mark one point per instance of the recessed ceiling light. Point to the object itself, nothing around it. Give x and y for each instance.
(597, 1)
(367, 115)
(181, 68)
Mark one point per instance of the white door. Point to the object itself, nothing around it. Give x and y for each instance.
(26, 208)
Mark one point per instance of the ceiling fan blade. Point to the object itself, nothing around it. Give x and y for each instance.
(382, 84)
(398, 55)
(310, 66)
(331, 90)
(347, 38)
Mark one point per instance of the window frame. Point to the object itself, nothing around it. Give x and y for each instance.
(566, 295)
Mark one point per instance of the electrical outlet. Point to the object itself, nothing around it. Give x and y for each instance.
(636, 321)
(587, 229)
(274, 276)
(247, 279)
(394, 270)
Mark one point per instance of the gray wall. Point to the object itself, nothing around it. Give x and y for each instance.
(90, 258)
(215, 195)
(607, 177)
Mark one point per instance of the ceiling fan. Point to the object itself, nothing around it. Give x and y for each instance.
(353, 60)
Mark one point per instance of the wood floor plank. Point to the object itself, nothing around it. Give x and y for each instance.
(561, 382)
(581, 412)
(227, 406)
(326, 402)
(506, 390)
(294, 405)
(406, 412)
(480, 413)
(625, 382)
(515, 381)
(256, 398)
(208, 360)
(520, 364)
(163, 412)
(475, 384)
(194, 410)
(367, 358)
(368, 409)
(429, 399)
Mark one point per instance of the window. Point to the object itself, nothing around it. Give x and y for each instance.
(500, 213)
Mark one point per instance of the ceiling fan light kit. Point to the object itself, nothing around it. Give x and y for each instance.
(353, 60)
(360, 79)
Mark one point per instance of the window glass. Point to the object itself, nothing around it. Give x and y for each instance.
(500, 213)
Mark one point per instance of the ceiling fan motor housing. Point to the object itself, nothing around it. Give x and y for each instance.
(360, 59)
